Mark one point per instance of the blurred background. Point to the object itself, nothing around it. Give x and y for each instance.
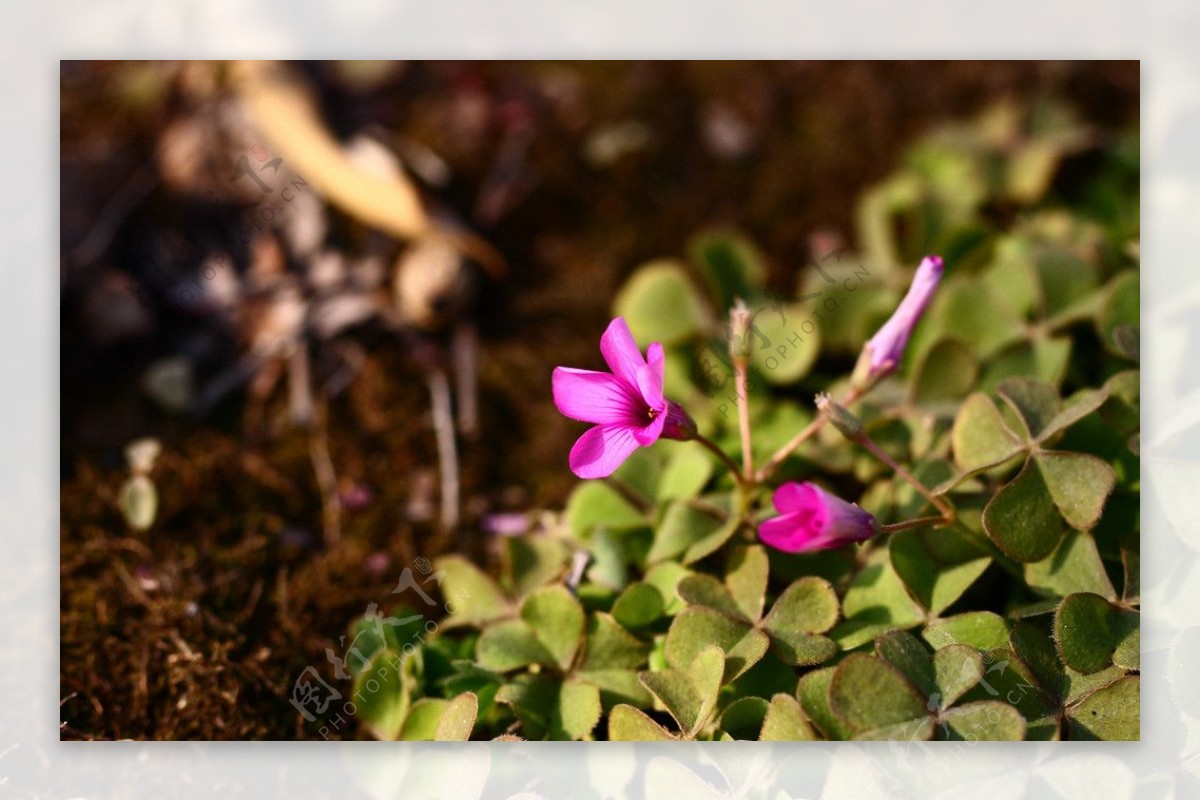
(311, 366)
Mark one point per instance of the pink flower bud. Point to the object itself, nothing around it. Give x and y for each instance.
(811, 519)
(680, 424)
(881, 355)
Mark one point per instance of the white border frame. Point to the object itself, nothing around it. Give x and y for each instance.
(32, 39)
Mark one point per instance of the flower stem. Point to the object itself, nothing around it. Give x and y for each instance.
(744, 483)
(920, 521)
(812, 428)
(882, 455)
(632, 496)
(724, 457)
(743, 403)
(777, 459)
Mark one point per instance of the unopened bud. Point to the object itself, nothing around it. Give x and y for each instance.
(679, 424)
(740, 320)
(881, 355)
(866, 373)
(850, 426)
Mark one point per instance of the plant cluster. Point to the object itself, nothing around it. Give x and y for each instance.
(944, 545)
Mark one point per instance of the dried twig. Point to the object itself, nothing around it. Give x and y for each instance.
(133, 191)
(443, 426)
(466, 377)
(283, 108)
(318, 450)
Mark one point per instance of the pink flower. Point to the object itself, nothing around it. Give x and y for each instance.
(627, 405)
(811, 519)
(506, 524)
(882, 353)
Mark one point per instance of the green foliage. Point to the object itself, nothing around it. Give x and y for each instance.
(785, 720)
(875, 701)
(1109, 713)
(875, 602)
(1092, 634)
(138, 502)
(484, 600)
(138, 497)
(937, 567)
(730, 264)
(1017, 402)
(385, 710)
(731, 614)
(660, 303)
(689, 694)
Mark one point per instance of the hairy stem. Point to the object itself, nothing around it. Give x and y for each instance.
(724, 457)
(879, 453)
(915, 523)
(632, 496)
(743, 403)
(812, 428)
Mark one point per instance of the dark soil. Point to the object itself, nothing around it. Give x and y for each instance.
(197, 628)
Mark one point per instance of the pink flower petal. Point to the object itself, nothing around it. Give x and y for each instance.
(593, 397)
(628, 406)
(506, 524)
(648, 435)
(621, 352)
(794, 497)
(650, 377)
(787, 533)
(601, 450)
